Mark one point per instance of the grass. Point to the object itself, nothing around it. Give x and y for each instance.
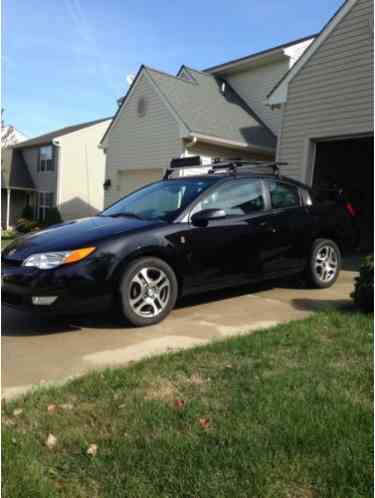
(282, 413)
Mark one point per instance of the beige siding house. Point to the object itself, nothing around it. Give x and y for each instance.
(326, 98)
(165, 116)
(63, 169)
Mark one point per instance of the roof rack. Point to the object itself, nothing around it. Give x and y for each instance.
(235, 164)
(230, 165)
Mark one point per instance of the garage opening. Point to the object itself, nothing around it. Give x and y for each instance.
(348, 164)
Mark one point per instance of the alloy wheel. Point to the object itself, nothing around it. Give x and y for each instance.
(149, 292)
(326, 263)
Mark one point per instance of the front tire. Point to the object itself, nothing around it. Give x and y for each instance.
(148, 291)
(324, 264)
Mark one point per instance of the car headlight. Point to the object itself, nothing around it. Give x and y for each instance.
(49, 260)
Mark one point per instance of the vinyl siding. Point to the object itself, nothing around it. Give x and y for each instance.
(81, 172)
(44, 181)
(137, 142)
(253, 86)
(332, 95)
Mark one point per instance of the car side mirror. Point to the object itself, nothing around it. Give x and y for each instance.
(202, 218)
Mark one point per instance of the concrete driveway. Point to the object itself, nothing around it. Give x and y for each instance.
(37, 350)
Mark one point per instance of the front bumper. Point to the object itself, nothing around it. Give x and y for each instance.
(78, 291)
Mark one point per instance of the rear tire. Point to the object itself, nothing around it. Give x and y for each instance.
(324, 264)
(148, 291)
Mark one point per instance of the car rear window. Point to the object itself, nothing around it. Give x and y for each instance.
(283, 195)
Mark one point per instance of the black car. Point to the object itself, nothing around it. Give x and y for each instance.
(235, 224)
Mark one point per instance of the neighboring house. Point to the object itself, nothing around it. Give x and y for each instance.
(216, 113)
(327, 103)
(63, 169)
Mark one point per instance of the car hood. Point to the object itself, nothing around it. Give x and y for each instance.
(74, 234)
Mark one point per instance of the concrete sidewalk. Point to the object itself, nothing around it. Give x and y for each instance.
(36, 350)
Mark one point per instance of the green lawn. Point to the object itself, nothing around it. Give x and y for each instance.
(284, 413)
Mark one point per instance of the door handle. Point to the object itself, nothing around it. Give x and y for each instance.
(266, 227)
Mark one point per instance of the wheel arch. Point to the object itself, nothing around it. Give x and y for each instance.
(330, 235)
(153, 252)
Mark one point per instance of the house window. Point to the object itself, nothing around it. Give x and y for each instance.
(46, 159)
(45, 201)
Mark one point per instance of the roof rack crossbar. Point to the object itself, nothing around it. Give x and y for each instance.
(233, 165)
(229, 165)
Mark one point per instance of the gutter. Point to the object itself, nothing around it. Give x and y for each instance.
(199, 137)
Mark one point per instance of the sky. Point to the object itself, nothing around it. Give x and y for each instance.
(67, 61)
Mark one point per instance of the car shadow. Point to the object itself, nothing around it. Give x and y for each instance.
(16, 323)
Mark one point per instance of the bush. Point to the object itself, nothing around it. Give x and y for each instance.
(27, 212)
(363, 294)
(25, 226)
(8, 234)
(53, 217)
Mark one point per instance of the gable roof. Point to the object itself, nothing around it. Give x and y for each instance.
(279, 92)
(202, 108)
(14, 170)
(258, 55)
(49, 137)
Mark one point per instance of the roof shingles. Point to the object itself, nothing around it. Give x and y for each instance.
(49, 137)
(208, 105)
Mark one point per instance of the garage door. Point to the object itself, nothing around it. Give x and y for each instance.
(133, 179)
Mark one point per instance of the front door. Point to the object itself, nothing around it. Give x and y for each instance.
(226, 252)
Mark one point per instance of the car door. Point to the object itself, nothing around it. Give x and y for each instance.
(226, 252)
(284, 230)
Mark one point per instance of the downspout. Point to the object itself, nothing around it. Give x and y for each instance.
(193, 141)
(58, 171)
(8, 209)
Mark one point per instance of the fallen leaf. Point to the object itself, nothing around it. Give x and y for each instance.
(7, 421)
(179, 403)
(51, 408)
(51, 441)
(204, 422)
(17, 412)
(92, 449)
(67, 406)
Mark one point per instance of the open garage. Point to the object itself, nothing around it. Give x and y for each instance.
(348, 165)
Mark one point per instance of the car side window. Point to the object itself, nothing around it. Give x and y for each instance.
(283, 195)
(237, 198)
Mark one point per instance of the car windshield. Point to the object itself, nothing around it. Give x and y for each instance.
(163, 200)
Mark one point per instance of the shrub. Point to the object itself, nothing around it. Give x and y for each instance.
(25, 226)
(53, 217)
(363, 294)
(8, 234)
(27, 212)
